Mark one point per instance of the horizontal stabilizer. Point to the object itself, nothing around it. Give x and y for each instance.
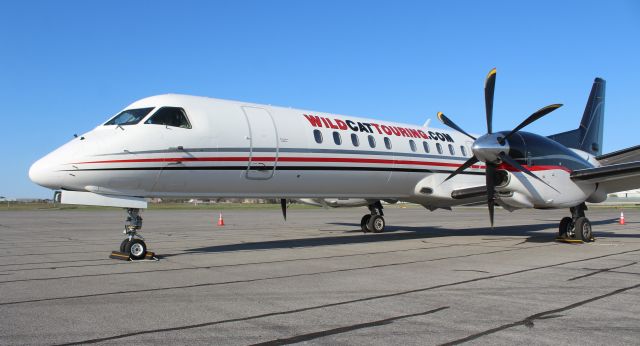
(621, 156)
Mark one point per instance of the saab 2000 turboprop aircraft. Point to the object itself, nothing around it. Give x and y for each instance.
(187, 146)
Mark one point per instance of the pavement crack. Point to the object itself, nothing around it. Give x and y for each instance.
(528, 321)
(340, 330)
(598, 271)
(209, 284)
(316, 307)
(471, 270)
(192, 267)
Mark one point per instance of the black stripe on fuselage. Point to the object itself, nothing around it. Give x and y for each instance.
(269, 168)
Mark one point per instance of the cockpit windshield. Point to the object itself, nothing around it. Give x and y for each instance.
(129, 116)
(170, 116)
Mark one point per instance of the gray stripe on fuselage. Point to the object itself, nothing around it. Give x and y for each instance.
(290, 150)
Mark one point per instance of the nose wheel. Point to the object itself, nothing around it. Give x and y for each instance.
(373, 222)
(577, 227)
(133, 246)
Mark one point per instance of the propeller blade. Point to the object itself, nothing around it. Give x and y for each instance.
(283, 206)
(491, 191)
(506, 158)
(464, 166)
(443, 118)
(533, 117)
(489, 86)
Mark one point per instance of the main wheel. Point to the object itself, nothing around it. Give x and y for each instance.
(136, 248)
(376, 224)
(123, 245)
(364, 222)
(583, 229)
(566, 224)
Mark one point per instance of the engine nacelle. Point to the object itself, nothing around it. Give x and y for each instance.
(518, 190)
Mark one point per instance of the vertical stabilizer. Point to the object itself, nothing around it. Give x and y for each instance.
(588, 137)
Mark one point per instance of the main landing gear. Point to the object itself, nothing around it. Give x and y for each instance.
(133, 245)
(373, 222)
(576, 227)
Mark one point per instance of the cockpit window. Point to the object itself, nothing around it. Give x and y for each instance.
(129, 116)
(170, 116)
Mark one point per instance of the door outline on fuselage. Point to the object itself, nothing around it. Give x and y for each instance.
(254, 170)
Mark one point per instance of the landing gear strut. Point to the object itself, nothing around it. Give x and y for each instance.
(373, 222)
(576, 227)
(133, 244)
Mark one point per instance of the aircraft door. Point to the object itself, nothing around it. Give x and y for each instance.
(263, 143)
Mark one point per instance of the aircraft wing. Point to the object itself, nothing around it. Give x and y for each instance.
(631, 154)
(613, 178)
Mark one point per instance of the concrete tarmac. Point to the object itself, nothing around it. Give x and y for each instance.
(433, 278)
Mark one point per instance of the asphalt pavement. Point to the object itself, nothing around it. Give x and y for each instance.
(432, 278)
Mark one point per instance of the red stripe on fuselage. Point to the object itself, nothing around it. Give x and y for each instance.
(283, 159)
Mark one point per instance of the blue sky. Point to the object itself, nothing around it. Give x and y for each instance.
(66, 66)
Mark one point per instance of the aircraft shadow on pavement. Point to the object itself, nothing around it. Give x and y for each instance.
(538, 233)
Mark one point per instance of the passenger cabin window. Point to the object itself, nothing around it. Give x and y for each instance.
(129, 116)
(412, 144)
(372, 141)
(452, 150)
(387, 143)
(439, 148)
(355, 140)
(170, 116)
(318, 136)
(336, 138)
(426, 146)
(463, 150)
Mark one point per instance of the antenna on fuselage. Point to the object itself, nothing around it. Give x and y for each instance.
(426, 123)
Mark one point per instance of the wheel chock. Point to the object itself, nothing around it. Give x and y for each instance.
(572, 241)
(123, 256)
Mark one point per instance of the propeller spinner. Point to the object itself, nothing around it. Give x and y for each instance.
(492, 148)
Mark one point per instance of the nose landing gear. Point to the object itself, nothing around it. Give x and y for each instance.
(577, 227)
(133, 246)
(373, 222)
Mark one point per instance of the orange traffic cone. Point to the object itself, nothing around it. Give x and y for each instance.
(621, 218)
(220, 220)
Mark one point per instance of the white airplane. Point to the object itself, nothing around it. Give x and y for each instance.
(191, 147)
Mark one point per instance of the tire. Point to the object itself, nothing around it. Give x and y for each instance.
(376, 224)
(364, 222)
(583, 229)
(565, 226)
(136, 249)
(123, 245)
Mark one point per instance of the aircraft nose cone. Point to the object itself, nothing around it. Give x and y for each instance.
(43, 173)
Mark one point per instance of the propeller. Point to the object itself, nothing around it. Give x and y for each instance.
(489, 87)
(492, 148)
